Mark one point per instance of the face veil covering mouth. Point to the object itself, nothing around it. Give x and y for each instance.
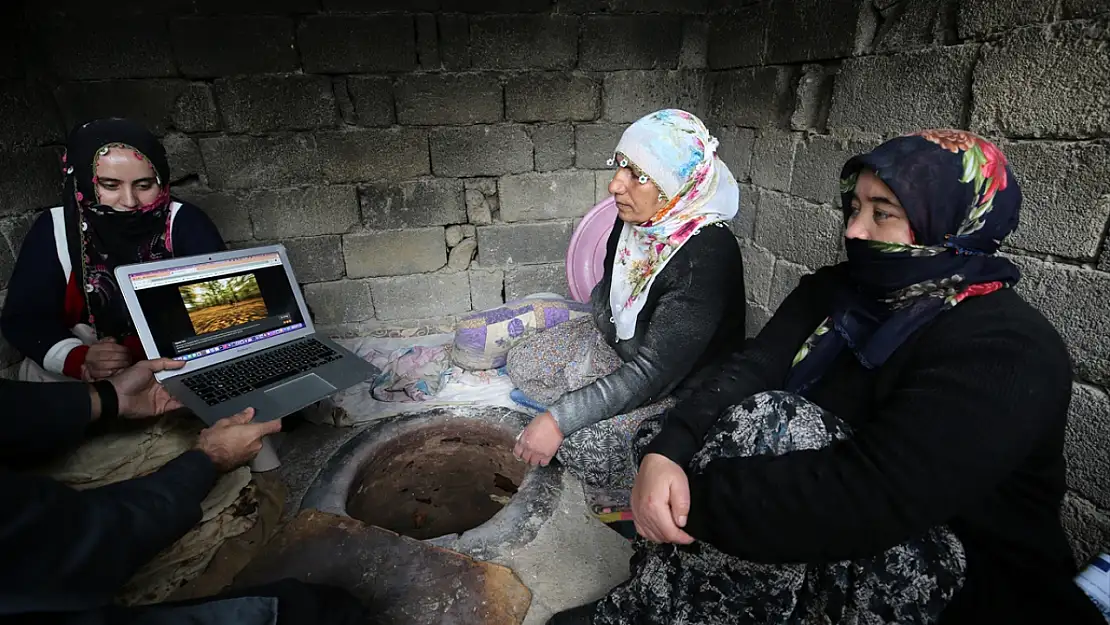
(962, 201)
(101, 238)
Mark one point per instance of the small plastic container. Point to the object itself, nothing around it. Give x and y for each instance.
(1095, 582)
(267, 458)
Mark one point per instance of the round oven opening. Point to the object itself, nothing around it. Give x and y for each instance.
(438, 479)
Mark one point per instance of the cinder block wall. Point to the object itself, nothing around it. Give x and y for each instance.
(422, 159)
(419, 159)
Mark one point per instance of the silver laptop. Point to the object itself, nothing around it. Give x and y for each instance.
(239, 322)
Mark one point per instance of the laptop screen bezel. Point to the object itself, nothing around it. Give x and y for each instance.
(142, 328)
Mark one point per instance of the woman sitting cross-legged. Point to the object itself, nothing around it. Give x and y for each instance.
(671, 300)
(64, 311)
(889, 449)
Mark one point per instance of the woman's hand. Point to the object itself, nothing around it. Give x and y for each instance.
(106, 358)
(661, 501)
(539, 441)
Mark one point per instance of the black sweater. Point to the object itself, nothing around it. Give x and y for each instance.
(66, 550)
(694, 310)
(963, 426)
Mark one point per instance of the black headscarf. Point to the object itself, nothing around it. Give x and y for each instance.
(102, 238)
(962, 201)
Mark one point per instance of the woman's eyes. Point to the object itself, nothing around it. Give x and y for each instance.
(631, 170)
(876, 214)
(114, 186)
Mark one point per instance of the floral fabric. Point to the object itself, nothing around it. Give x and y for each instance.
(962, 201)
(675, 150)
(483, 339)
(563, 359)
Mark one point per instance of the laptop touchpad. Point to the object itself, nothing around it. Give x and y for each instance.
(309, 388)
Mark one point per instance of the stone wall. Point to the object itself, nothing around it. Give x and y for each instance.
(418, 159)
(422, 159)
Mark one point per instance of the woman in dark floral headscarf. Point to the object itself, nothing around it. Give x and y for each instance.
(889, 448)
(64, 311)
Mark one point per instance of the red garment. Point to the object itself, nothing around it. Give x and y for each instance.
(75, 314)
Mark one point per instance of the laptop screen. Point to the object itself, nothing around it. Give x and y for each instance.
(198, 310)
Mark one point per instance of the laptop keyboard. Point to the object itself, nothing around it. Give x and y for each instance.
(219, 384)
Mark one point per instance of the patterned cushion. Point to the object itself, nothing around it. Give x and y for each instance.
(483, 339)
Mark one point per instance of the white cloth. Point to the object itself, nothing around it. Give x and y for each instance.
(676, 150)
(30, 371)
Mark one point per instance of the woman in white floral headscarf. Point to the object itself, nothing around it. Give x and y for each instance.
(671, 299)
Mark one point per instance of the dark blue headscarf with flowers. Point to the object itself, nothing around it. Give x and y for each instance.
(962, 201)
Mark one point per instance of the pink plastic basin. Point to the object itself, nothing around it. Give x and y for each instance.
(586, 254)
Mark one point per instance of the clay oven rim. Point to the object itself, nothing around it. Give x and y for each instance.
(514, 524)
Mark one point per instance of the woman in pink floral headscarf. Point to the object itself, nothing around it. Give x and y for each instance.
(671, 299)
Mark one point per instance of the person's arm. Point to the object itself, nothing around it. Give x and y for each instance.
(970, 405)
(761, 365)
(40, 419)
(33, 318)
(686, 316)
(194, 233)
(65, 549)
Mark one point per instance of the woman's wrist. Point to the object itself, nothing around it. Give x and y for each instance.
(552, 412)
(553, 420)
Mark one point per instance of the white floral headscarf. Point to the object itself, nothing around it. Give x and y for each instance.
(675, 151)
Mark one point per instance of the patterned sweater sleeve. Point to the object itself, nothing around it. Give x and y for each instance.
(685, 318)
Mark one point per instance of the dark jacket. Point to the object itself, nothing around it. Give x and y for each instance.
(65, 553)
(67, 550)
(962, 426)
(695, 310)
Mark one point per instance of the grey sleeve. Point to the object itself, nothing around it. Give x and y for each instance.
(685, 319)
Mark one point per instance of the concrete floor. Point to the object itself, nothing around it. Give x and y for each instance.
(573, 559)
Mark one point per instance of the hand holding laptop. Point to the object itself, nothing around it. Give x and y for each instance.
(230, 443)
(235, 441)
(138, 394)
